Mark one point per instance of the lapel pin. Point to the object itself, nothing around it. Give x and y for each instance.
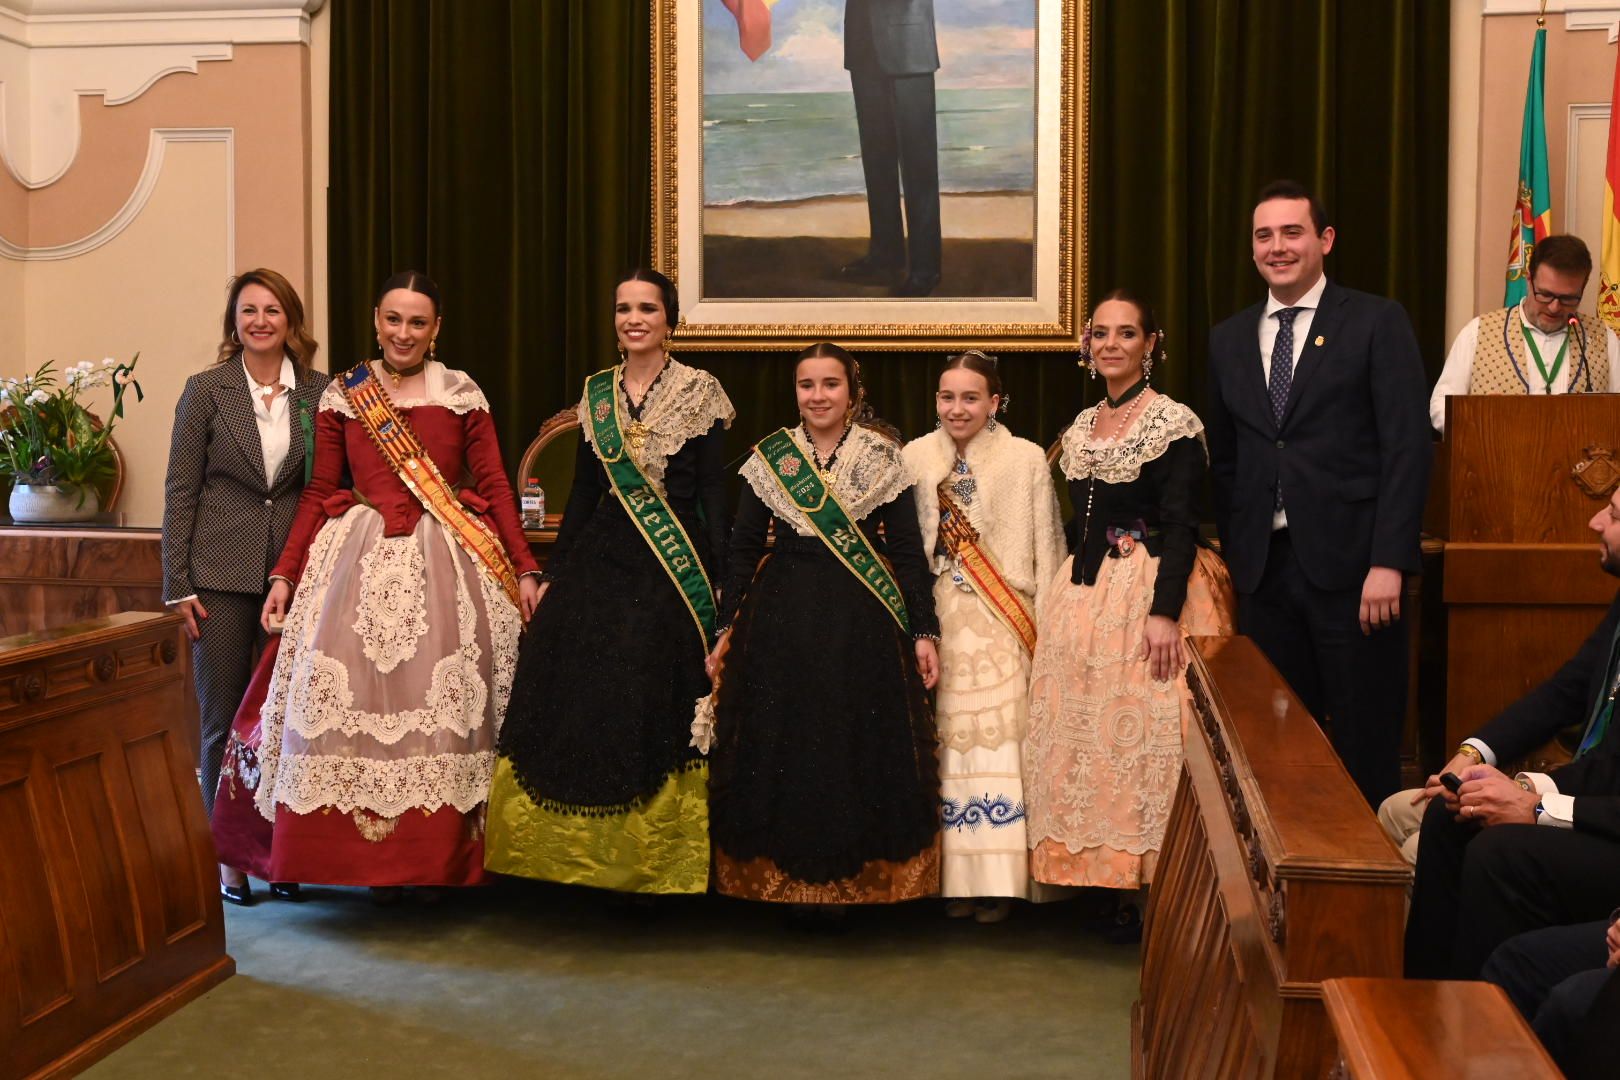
(1320, 341)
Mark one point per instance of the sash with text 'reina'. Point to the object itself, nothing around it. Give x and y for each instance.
(658, 524)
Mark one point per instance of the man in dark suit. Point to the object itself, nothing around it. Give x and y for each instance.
(1515, 854)
(891, 55)
(1319, 451)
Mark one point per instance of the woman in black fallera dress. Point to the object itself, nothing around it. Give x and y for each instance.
(597, 783)
(825, 784)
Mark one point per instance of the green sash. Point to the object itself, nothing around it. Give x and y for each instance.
(658, 524)
(842, 536)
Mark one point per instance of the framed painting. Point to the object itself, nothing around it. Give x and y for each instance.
(904, 174)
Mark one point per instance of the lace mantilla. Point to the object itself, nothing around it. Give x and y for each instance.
(1161, 423)
(869, 473)
(446, 387)
(683, 404)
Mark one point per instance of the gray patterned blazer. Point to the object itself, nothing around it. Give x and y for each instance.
(223, 526)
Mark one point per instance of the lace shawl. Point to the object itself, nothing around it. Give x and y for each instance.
(869, 472)
(1015, 511)
(446, 387)
(682, 404)
(1162, 423)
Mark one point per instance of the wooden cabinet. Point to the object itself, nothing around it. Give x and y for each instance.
(52, 576)
(109, 906)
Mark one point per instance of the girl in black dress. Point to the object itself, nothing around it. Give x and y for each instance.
(825, 786)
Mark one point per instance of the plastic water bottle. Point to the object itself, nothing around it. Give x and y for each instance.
(533, 505)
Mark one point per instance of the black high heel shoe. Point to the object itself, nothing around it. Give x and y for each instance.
(286, 890)
(240, 895)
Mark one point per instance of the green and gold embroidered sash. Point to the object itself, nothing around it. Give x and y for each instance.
(658, 524)
(397, 441)
(804, 485)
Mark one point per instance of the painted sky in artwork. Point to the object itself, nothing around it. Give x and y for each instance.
(982, 44)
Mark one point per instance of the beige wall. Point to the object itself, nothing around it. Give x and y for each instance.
(201, 174)
(1494, 55)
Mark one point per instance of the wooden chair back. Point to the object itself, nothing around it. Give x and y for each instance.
(550, 460)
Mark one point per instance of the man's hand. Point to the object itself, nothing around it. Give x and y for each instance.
(1432, 786)
(1612, 940)
(1490, 797)
(1380, 599)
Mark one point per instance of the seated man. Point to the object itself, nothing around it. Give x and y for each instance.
(1513, 854)
(1553, 976)
(1531, 347)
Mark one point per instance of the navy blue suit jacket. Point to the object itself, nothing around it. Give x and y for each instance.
(1352, 452)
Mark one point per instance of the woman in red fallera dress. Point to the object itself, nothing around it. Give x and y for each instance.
(407, 597)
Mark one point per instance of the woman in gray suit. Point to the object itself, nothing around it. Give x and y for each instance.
(240, 454)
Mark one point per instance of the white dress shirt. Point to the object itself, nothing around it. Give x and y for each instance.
(1302, 333)
(275, 429)
(1459, 370)
(1557, 809)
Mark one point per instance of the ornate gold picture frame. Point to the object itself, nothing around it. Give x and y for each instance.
(889, 174)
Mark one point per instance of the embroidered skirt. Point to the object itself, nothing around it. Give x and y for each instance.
(379, 719)
(825, 779)
(982, 711)
(597, 783)
(1103, 752)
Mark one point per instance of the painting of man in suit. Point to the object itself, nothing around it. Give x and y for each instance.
(862, 149)
(891, 53)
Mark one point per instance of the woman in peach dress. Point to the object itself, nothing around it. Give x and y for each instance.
(1108, 688)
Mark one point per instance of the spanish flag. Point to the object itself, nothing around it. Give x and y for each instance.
(753, 25)
(1608, 303)
(1532, 211)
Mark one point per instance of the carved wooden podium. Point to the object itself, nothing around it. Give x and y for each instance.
(1523, 587)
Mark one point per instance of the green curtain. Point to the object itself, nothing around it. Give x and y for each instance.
(503, 147)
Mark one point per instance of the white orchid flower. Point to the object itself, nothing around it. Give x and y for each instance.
(109, 362)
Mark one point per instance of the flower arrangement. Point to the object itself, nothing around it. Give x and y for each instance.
(47, 438)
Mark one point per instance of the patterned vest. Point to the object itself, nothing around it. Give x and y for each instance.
(1497, 370)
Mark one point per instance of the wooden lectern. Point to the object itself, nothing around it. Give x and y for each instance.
(1523, 587)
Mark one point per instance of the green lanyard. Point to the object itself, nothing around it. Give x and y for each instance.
(1558, 361)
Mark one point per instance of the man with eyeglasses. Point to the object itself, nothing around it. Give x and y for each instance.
(1531, 348)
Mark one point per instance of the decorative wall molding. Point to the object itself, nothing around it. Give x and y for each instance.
(1580, 113)
(39, 125)
(52, 24)
(1578, 14)
(144, 187)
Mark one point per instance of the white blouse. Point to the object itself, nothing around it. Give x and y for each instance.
(275, 430)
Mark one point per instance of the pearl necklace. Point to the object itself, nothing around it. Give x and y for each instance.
(1091, 486)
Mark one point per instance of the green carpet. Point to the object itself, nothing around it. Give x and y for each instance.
(528, 980)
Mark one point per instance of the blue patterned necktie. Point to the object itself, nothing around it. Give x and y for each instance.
(1282, 362)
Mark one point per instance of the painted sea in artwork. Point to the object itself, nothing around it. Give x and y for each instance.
(788, 147)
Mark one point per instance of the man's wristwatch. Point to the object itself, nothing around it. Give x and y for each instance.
(1472, 751)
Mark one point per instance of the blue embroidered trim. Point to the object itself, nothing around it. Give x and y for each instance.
(997, 811)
